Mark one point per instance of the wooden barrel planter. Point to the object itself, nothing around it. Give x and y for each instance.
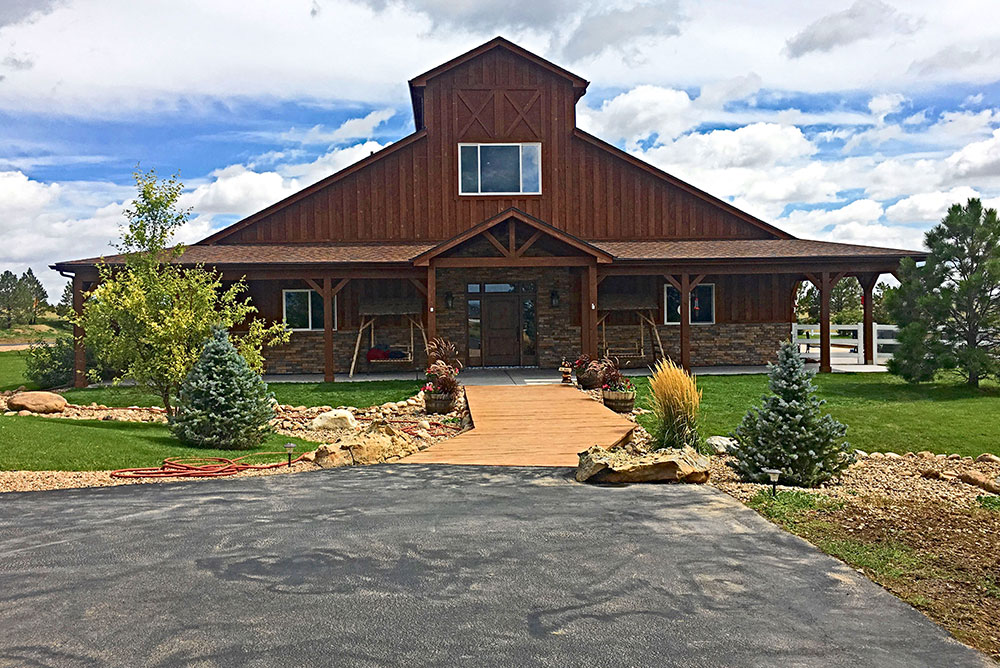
(588, 379)
(438, 402)
(619, 402)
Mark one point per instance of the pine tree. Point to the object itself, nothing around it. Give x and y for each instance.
(952, 303)
(789, 431)
(35, 298)
(8, 299)
(65, 305)
(223, 403)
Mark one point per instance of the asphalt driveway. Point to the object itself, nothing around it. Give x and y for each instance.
(433, 565)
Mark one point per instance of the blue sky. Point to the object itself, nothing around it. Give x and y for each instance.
(857, 121)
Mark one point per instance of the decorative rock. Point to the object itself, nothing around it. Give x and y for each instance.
(424, 424)
(988, 458)
(720, 444)
(337, 418)
(331, 456)
(954, 456)
(981, 482)
(616, 466)
(893, 455)
(37, 402)
(877, 455)
(860, 454)
(925, 454)
(24, 413)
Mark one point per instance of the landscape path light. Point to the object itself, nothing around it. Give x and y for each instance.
(773, 474)
(288, 448)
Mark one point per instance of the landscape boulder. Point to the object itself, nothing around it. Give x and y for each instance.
(619, 465)
(37, 402)
(380, 442)
(720, 445)
(338, 418)
(988, 458)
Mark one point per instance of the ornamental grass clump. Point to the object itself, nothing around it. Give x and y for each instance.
(789, 431)
(223, 402)
(676, 399)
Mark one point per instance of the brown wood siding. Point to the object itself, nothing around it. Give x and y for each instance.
(412, 193)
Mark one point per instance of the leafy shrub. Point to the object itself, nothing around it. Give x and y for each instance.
(52, 365)
(789, 432)
(676, 399)
(223, 403)
(989, 502)
(442, 378)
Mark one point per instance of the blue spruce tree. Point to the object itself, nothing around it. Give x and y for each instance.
(789, 431)
(223, 403)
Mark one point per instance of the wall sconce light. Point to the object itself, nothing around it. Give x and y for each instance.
(554, 298)
(449, 300)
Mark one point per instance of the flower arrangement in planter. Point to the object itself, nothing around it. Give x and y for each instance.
(442, 386)
(617, 391)
(588, 372)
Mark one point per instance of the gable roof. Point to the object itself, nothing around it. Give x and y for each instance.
(587, 248)
(498, 42)
(683, 185)
(319, 185)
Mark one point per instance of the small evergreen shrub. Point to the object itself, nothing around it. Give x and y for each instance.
(789, 431)
(676, 399)
(223, 403)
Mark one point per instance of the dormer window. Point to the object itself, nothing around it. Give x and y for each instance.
(500, 169)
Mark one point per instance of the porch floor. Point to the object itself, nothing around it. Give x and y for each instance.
(540, 425)
(530, 376)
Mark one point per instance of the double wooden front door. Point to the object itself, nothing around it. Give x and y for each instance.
(501, 329)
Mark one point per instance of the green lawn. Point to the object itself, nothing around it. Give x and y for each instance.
(359, 394)
(44, 444)
(12, 371)
(882, 412)
(49, 327)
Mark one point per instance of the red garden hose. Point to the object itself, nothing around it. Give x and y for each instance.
(219, 467)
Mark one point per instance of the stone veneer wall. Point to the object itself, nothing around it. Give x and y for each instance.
(304, 352)
(721, 344)
(557, 337)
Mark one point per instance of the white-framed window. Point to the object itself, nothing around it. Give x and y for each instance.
(500, 169)
(302, 310)
(702, 305)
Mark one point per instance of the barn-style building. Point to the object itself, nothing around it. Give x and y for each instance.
(502, 226)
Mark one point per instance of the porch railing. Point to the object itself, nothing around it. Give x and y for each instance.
(849, 338)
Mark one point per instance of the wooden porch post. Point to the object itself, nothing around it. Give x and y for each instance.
(79, 349)
(590, 309)
(867, 282)
(685, 291)
(825, 287)
(431, 301)
(328, 375)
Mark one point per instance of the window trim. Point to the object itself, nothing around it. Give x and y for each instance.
(284, 311)
(479, 171)
(667, 287)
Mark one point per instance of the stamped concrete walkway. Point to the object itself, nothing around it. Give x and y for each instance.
(528, 425)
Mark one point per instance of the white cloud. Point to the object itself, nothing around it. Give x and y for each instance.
(755, 145)
(884, 104)
(620, 29)
(813, 223)
(928, 207)
(353, 128)
(978, 159)
(863, 19)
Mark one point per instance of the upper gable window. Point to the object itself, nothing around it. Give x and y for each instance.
(500, 169)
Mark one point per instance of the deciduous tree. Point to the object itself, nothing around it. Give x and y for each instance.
(151, 318)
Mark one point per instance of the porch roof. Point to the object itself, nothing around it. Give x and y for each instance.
(748, 249)
(406, 253)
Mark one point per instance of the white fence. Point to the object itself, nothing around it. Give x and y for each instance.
(848, 340)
